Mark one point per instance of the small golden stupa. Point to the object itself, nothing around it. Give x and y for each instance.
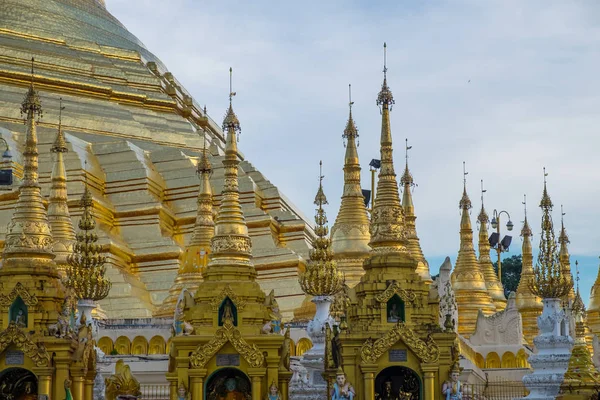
(228, 341)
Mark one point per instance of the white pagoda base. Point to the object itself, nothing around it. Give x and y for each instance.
(553, 346)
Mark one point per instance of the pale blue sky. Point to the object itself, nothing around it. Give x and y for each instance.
(532, 100)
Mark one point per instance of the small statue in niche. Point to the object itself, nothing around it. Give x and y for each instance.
(182, 393)
(342, 389)
(274, 313)
(273, 392)
(451, 389)
(388, 394)
(21, 319)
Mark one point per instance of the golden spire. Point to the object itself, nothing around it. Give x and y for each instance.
(548, 281)
(350, 232)
(321, 277)
(563, 255)
(414, 246)
(86, 270)
(467, 279)
(493, 285)
(387, 219)
(29, 240)
(581, 369)
(58, 209)
(196, 256)
(231, 246)
(529, 305)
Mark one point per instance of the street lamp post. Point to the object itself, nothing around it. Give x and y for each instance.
(500, 245)
(374, 166)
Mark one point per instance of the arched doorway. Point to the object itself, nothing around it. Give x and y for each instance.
(398, 383)
(18, 384)
(228, 384)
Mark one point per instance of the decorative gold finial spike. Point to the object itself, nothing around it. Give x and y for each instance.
(350, 244)
(549, 281)
(24, 245)
(58, 210)
(526, 230)
(465, 201)
(385, 99)
(492, 284)
(483, 217)
(388, 232)
(413, 243)
(231, 246)
(350, 131)
(86, 272)
(322, 277)
(231, 120)
(407, 178)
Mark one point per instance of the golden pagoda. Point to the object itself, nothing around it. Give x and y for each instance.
(350, 232)
(530, 306)
(39, 349)
(468, 281)
(413, 244)
(137, 126)
(61, 225)
(493, 285)
(593, 312)
(195, 258)
(392, 330)
(582, 378)
(229, 342)
(563, 255)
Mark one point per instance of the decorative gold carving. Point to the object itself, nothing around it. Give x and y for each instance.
(86, 272)
(231, 243)
(394, 288)
(322, 277)
(228, 333)
(18, 291)
(427, 350)
(122, 383)
(227, 292)
(14, 335)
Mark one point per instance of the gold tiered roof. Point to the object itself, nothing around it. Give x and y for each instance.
(350, 232)
(321, 277)
(86, 273)
(387, 218)
(492, 283)
(413, 244)
(61, 224)
(529, 305)
(467, 279)
(196, 256)
(563, 255)
(548, 281)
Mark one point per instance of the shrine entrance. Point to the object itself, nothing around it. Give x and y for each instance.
(18, 384)
(398, 383)
(228, 384)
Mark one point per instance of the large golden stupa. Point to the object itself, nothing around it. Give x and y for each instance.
(135, 133)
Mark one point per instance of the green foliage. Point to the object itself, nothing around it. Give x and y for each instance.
(114, 352)
(511, 273)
